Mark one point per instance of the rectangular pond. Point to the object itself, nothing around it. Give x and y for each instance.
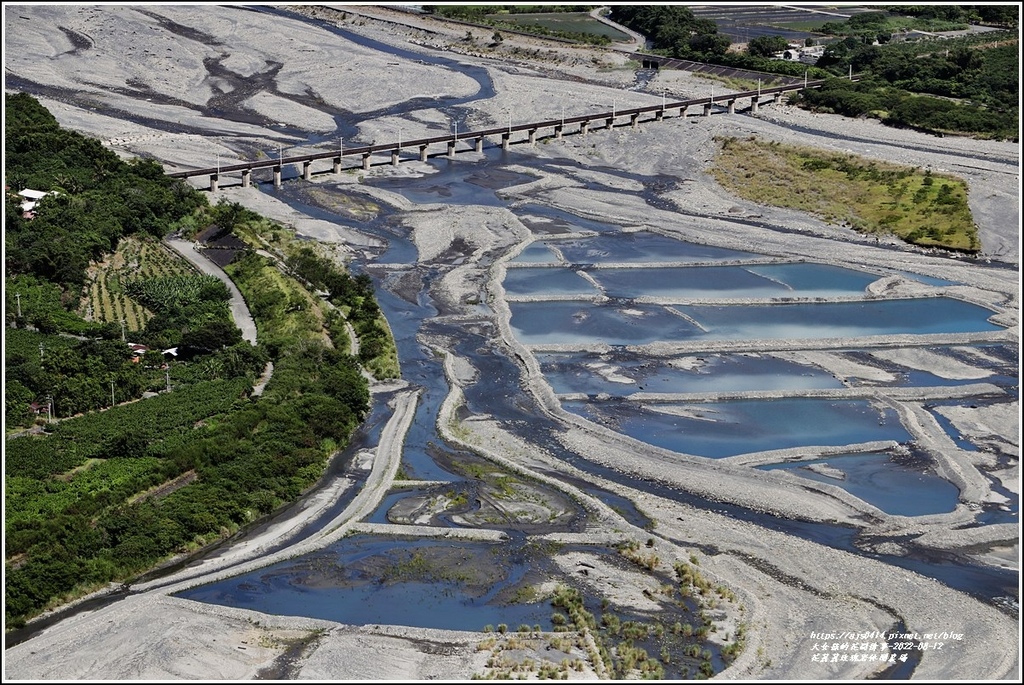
(640, 247)
(919, 316)
(571, 22)
(725, 429)
(621, 374)
(547, 281)
(901, 487)
(760, 281)
(539, 323)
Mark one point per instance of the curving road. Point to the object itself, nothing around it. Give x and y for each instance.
(639, 40)
(239, 310)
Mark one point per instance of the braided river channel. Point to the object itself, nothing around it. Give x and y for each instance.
(583, 285)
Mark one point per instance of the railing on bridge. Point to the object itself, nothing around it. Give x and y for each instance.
(452, 140)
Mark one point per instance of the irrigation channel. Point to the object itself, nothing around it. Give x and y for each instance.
(587, 302)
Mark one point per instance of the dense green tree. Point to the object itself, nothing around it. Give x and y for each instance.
(100, 198)
(212, 336)
(673, 29)
(766, 46)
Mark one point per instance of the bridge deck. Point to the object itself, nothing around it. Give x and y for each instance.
(454, 138)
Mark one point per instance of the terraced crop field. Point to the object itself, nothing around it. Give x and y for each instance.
(105, 298)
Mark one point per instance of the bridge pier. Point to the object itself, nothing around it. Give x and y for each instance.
(731, 108)
(423, 153)
(558, 132)
(584, 127)
(610, 123)
(633, 119)
(504, 140)
(366, 161)
(682, 110)
(777, 97)
(213, 183)
(659, 115)
(394, 157)
(451, 149)
(277, 176)
(246, 178)
(707, 109)
(533, 136)
(479, 144)
(753, 104)
(337, 165)
(307, 174)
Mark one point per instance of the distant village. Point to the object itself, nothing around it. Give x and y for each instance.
(810, 54)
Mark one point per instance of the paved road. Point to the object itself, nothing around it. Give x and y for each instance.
(239, 310)
(639, 41)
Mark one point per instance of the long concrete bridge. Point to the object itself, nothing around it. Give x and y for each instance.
(474, 140)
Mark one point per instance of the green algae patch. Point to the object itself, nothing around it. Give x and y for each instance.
(872, 197)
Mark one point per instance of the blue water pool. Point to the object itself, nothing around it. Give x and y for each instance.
(364, 580)
(545, 281)
(623, 374)
(536, 252)
(641, 247)
(761, 281)
(613, 323)
(725, 429)
(901, 489)
(841, 319)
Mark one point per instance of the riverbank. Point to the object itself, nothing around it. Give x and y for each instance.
(791, 588)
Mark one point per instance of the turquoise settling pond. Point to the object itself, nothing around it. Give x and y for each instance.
(725, 429)
(545, 323)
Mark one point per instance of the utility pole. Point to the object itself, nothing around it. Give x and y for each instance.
(112, 393)
(18, 297)
(49, 409)
(41, 351)
(167, 375)
(123, 339)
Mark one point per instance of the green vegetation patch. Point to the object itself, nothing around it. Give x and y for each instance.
(142, 259)
(873, 24)
(569, 22)
(918, 206)
(103, 496)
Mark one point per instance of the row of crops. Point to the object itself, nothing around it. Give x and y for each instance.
(135, 428)
(109, 297)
